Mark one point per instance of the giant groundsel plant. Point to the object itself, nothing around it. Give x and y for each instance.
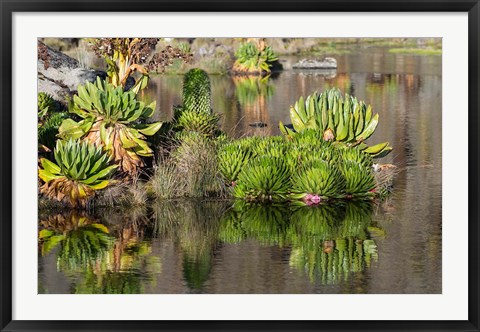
(338, 117)
(79, 170)
(196, 115)
(113, 119)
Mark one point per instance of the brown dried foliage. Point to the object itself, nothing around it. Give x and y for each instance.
(42, 54)
(165, 58)
(129, 161)
(57, 188)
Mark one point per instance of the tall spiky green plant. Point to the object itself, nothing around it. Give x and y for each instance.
(196, 113)
(196, 91)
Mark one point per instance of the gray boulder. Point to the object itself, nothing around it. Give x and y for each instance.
(327, 63)
(59, 75)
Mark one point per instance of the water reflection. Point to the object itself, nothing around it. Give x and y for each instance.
(125, 255)
(97, 257)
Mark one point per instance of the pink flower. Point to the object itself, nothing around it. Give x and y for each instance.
(315, 199)
(311, 199)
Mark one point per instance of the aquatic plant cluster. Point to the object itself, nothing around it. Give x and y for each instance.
(302, 167)
(104, 141)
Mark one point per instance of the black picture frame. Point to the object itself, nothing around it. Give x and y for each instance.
(8, 7)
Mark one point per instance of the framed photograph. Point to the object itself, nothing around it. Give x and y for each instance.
(213, 165)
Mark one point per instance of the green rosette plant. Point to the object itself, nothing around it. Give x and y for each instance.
(232, 158)
(317, 180)
(356, 155)
(79, 170)
(254, 58)
(199, 122)
(264, 179)
(338, 118)
(359, 180)
(49, 120)
(113, 119)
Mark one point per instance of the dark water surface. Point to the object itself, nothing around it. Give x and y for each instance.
(189, 246)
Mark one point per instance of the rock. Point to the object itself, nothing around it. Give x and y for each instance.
(258, 124)
(327, 63)
(59, 75)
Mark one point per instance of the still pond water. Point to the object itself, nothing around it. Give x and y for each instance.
(188, 246)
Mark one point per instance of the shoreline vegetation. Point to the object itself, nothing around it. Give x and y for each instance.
(103, 151)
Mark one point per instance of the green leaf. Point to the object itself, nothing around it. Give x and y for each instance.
(100, 185)
(374, 149)
(50, 166)
(370, 129)
(101, 174)
(150, 129)
(44, 233)
(47, 176)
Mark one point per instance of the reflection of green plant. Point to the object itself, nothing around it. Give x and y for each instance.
(264, 178)
(250, 88)
(230, 230)
(113, 119)
(330, 242)
(254, 57)
(316, 223)
(337, 117)
(81, 240)
(80, 169)
(109, 283)
(187, 223)
(265, 223)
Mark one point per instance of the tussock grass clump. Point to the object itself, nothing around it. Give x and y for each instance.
(133, 193)
(191, 171)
